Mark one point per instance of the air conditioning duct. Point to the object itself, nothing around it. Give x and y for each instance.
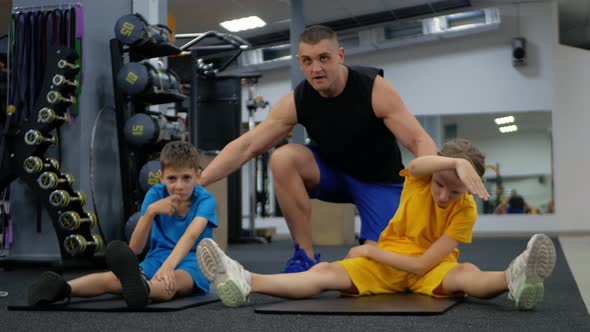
(385, 36)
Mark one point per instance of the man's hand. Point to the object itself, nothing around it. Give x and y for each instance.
(360, 251)
(166, 275)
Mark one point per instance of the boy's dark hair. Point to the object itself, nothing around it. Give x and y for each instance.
(179, 154)
(316, 33)
(462, 148)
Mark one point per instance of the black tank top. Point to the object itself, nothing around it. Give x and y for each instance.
(345, 131)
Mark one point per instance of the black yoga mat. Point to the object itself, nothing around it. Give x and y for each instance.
(387, 304)
(116, 303)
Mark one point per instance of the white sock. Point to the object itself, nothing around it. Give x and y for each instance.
(248, 277)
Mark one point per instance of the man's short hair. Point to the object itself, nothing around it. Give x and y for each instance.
(179, 154)
(316, 33)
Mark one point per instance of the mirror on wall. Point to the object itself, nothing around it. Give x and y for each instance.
(518, 156)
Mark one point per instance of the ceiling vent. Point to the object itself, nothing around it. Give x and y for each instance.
(363, 21)
(385, 36)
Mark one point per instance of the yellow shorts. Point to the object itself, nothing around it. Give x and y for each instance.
(371, 277)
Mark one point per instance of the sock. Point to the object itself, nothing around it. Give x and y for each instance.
(248, 277)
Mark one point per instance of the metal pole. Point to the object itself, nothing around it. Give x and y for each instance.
(297, 26)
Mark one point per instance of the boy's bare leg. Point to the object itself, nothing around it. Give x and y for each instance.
(523, 278)
(294, 169)
(234, 284)
(321, 277)
(95, 284)
(184, 286)
(469, 279)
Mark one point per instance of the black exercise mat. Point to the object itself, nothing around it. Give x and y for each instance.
(386, 304)
(116, 303)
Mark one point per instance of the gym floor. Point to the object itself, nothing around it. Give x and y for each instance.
(563, 308)
(575, 248)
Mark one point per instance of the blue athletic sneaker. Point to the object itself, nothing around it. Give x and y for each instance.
(300, 261)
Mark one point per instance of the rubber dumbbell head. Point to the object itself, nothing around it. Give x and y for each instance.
(61, 198)
(76, 244)
(34, 164)
(71, 220)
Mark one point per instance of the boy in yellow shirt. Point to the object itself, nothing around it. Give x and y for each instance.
(416, 252)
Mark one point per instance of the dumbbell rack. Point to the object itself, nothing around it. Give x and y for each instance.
(131, 157)
(25, 159)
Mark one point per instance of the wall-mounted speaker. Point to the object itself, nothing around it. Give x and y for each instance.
(518, 51)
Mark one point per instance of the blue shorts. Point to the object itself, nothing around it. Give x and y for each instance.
(152, 264)
(376, 202)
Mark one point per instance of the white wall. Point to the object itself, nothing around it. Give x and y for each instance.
(472, 74)
(469, 74)
(571, 125)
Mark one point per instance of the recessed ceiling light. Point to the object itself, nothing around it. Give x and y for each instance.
(504, 120)
(246, 23)
(508, 129)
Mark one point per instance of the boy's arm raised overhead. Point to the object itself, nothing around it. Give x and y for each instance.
(426, 165)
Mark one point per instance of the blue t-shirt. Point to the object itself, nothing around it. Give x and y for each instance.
(167, 231)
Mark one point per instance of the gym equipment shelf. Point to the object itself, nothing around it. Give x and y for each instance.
(25, 158)
(132, 157)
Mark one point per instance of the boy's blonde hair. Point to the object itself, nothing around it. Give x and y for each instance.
(179, 154)
(462, 148)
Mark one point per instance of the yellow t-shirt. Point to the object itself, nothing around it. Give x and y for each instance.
(419, 222)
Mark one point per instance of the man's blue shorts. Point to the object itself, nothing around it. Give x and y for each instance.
(376, 202)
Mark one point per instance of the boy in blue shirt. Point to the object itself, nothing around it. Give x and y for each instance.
(178, 214)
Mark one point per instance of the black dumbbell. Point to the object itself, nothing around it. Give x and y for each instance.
(134, 30)
(68, 69)
(64, 64)
(34, 164)
(76, 244)
(34, 137)
(61, 80)
(54, 97)
(140, 78)
(48, 115)
(61, 198)
(71, 220)
(50, 180)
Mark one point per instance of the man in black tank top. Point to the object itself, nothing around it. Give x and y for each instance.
(354, 118)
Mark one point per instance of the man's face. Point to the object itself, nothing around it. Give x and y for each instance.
(179, 181)
(320, 63)
(447, 188)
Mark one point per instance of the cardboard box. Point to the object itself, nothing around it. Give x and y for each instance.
(331, 223)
